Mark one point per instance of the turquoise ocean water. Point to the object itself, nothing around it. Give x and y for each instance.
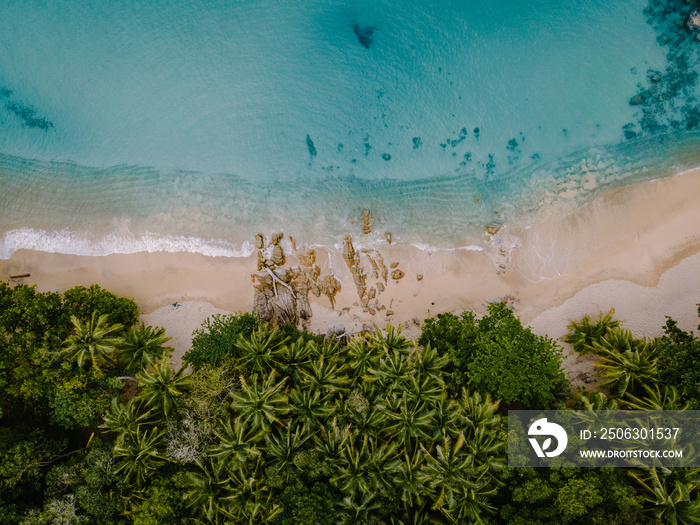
(191, 125)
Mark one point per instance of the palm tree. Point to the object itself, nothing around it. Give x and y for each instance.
(238, 445)
(585, 333)
(362, 356)
(162, 388)
(124, 419)
(666, 398)
(351, 468)
(330, 443)
(293, 357)
(354, 513)
(137, 454)
(258, 352)
(309, 408)
(672, 496)
(408, 421)
(392, 372)
(282, 447)
(260, 405)
(142, 346)
(628, 370)
(430, 364)
(408, 480)
(325, 375)
(392, 341)
(209, 493)
(93, 341)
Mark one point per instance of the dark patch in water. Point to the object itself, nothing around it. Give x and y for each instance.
(340, 147)
(25, 112)
(476, 133)
(310, 146)
(417, 142)
(365, 35)
(512, 145)
(386, 156)
(367, 145)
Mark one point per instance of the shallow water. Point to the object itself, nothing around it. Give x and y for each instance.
(190, 126)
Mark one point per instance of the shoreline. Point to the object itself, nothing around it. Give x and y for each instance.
(636, 248)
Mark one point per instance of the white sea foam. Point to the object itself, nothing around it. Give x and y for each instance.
(76, 243)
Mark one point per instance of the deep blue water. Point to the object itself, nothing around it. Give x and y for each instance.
(138, 125)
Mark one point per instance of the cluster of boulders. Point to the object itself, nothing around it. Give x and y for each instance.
(282, 294)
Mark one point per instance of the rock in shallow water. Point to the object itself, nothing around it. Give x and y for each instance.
(397, 274)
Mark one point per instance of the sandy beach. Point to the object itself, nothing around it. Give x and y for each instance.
(636, 249)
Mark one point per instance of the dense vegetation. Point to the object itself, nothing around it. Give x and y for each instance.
(284, 427)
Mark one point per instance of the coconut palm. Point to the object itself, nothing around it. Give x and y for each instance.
(425, 389)
(238, 444)
(209, 493)
(283, 446)
(392, 341)
(585, 333)
(368, 422)
(258, 353)
(293, 357)
(309, 408)
(325, 375)
(358, 510)
(665, 398)
(162, 388)
(408, 480)
(260, 404)
(672, 496)
(137, 454)
(407, 421)
(391, 373)
(382, 464)
(124, 419)
(93, 341)
(142, 346)
(330, 443)
(430, 364)
(362, 356)
(628, 370)
(352, 465)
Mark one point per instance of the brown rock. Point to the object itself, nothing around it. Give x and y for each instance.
(372, 293)
(389, 312)
(307, 258)
(492, 229)
(397, 274)
(393, 265)
(277, 238)
(277, 256)
(388, 237)
(419, 276)
(259, 241)
(380, 287)
(372, 311)
(294, 244)
(365, 222)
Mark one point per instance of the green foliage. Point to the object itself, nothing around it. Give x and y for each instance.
(216, 339)
(582, 335)
(679, 353)
(162, 503)
(142, 346)
(93, 342)
(162, 388)
(498, 355)
(302, 505)
(82, 302)
(602, 496)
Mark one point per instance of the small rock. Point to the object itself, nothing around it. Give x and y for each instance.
(259, 241)
(589, 379)
(366, 229)
(416, 321)
(492, 229)
(372, 293)
(664, 39)
(419, 276)
(503, 266)
(372, 311)
(386, 156)
(393, 265)
(356, 303)
(380, 287)
(388, 237)
(694, 21)
(368, 329)
(636, 100)
(335, 330)
(656, 78)
(277, 238)
(397, 274)
(389, 312)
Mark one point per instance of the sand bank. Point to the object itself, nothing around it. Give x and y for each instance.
(636, 248)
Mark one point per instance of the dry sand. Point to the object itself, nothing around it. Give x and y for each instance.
(636, 249)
